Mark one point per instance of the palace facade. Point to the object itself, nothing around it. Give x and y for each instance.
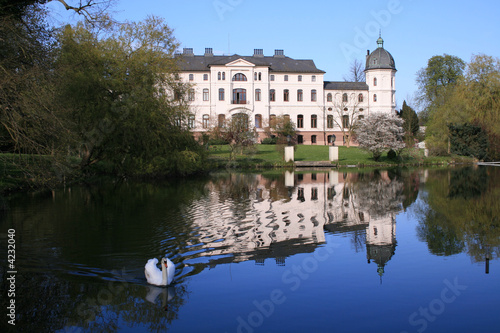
(260, 88)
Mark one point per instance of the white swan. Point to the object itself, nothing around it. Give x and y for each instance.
(157, 277)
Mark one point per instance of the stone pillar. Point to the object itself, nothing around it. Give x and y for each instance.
(289, 154)
(333, 153)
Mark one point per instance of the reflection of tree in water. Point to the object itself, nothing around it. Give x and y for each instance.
(468, 183)
(462, 212)
(47, 303)
(380, 193)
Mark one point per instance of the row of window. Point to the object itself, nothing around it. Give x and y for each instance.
(239, 96)
(258, 121)
(242, 77)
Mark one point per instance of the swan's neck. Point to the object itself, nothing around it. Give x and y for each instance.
(164, 274)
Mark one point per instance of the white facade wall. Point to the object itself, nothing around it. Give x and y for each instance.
(266, 79)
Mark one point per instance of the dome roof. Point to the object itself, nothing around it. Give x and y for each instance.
(380, 58)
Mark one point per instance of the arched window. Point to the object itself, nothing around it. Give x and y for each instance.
(218, 76)
(313, 95)
(344, 98)
(286, 95)
(205, 94)
(314, 121)
(205, 121)
(329, 121)
(329, 97)
(258, 95)
(300, 95)
(272, 120)
(239, 96)
(223, 75)
(258, 121)
(239, 77)
(241, 120)
(191, 95)
(272, 95)
(345, 121)
(374, 97)
(221, 94)
(360, 98)
(300, 121)
(221, 120)
(375, 81)
(191, 121)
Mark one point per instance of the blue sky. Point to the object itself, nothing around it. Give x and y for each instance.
(331, 32)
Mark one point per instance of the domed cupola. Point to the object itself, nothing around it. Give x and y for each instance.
(380, 58)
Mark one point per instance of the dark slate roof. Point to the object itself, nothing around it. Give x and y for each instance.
(342, 85)
(276, 64)
(380, 58)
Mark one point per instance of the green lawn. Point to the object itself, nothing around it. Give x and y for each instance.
(268, 155)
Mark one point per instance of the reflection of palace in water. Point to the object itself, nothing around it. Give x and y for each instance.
(275, 219)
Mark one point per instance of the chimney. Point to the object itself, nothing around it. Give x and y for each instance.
(258, 52)
(279, 53)
(209, 52)
(187, 51)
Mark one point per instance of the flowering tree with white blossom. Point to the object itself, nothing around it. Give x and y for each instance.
(380, 132)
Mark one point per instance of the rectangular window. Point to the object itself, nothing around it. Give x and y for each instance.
(221, 94)
(286, 77)
(286, 95)
(300, 95)
(191, 77)
(191, 95)
(205, 77)
(205, 95)
(313, 95)
(272, 95)
(313, 78)
(272, 77)
(191, 121)
(300, 78)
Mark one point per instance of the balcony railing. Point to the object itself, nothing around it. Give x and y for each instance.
(240, 102)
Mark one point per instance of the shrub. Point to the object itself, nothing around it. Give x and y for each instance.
(391, 154)
(270, 141)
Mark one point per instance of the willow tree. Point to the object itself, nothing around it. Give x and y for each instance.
(118, 86)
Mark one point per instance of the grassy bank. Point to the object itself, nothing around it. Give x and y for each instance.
(21, 172)
(270, 156)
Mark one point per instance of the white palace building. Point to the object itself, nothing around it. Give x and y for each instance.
(262, 87)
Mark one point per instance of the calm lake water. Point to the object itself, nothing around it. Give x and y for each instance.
(375, 251)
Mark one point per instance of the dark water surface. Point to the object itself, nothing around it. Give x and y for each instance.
(376, 251)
